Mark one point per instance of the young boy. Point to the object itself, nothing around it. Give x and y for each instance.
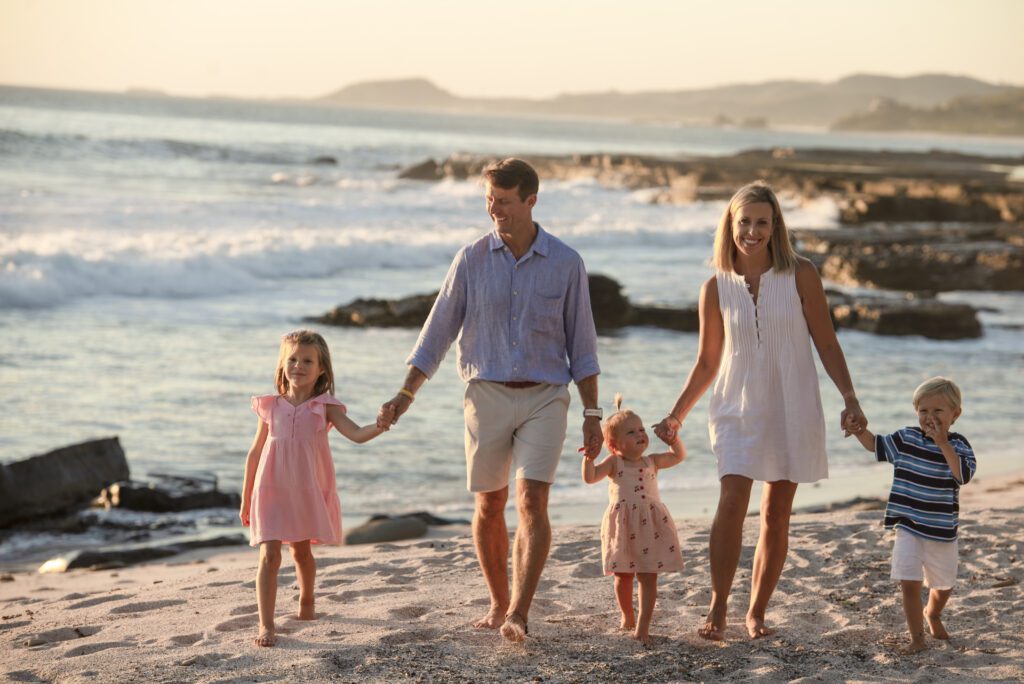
(931, 464)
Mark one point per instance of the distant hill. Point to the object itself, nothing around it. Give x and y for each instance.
(777, 103)
(999, 114)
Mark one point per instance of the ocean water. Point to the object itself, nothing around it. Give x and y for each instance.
(154, 250)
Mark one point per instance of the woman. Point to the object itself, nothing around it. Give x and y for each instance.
(759, 313)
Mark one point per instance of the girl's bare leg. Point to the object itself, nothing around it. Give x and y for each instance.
(724, 550)
(648, 582)
(624, 596)
(770, 555)
(266, 590)
(305, 572)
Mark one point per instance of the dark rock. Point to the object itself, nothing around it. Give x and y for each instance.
(325, 160)
(427, 170)
(385, 530)
(681, 320)
(408, 312)
(60, 479)
(611, 308)
(121, 556)
(169, 494)
(428, 518)
(910, 315)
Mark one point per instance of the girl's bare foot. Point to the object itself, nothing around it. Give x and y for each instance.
(628, 623)
(307, 612)
(935, 626)
(493, 620)
(644, 639)
(756, 628)
(266, 637)
(714, 625)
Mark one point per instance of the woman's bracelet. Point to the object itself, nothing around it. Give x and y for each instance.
(407, 393)
(679, 422)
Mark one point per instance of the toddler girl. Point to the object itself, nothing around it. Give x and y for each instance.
(638, 535)
(289, 495)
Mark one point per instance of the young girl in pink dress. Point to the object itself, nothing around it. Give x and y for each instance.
(638, 535)
(289, 495)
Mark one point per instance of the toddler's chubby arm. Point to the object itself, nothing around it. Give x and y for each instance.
(670, 458)
(865, 437)
(252, 462)
(940, 435)
(347, 427)
(592, 473)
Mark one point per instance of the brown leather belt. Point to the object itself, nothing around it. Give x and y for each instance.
(519, 384)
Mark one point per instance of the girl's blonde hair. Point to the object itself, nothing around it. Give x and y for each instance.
(943, 387)
(611, 423)
(779, 246)
(325, 383)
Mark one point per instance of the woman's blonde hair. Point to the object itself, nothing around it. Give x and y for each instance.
(943, 387)
(325, 383)
(611, 423)
(779, 246)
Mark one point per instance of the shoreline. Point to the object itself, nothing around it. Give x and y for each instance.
(388, 612)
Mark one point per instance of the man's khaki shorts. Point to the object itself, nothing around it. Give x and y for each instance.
(506, 426)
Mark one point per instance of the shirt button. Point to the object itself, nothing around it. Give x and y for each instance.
(514, 343)
(515, 318)
(515, 293)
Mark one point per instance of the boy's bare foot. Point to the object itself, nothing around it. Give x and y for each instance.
(935, 626)
(714, 626)
(307, 612)
(756, 627)
(644, 639)
(266, 637)
(916, 645)
(628, 624)
(514, 629)
(493, 620)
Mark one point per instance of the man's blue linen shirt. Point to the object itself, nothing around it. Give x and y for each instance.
(520, 321)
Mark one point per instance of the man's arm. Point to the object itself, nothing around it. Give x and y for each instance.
(392, 410)
(593, 438)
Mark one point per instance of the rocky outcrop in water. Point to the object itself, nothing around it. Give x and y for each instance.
(169, 493)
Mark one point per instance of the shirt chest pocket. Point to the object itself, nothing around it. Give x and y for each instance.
(546, 314)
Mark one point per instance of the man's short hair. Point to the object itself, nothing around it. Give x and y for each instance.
(513, 173)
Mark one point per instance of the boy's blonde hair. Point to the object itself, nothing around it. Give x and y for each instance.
(779, 246)
(611, 423)
(325, 383)
(944, 387)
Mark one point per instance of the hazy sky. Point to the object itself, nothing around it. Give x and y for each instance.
(531, 48)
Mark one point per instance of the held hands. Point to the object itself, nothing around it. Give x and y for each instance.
(852, 419)
(593, 438)
(668, 429)
(392, 410)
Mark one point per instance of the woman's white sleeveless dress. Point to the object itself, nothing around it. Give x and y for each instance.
(765, 415)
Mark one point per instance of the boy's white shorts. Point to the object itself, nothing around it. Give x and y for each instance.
(916, 558)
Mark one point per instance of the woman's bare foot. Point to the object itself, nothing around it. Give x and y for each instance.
(935, 626)
(514, 629)
(307, 612)
(493, 620)
(916, 645)
(644, 639)
(628, 623)
(266, 637)
(756, 628)
(714, 625)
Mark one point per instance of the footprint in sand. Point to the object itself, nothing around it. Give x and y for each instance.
(144, 606)
(98, 600)
(227, 584)
(86, 649)
(588, 569)
(55, 636)
(245, 610)
(23, 676)
(334, 582)
(409, 636)
(366, 593)
(409, 612)
(234, 624)
(184, 639)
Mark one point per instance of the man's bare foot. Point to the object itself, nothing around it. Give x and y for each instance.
(493, 620)
(714, 626)
(628, 623)
(756, 628)
(644, 639)
(266, 637)
(307, 612)
(916, 645)
(935, 626)
(514, 629)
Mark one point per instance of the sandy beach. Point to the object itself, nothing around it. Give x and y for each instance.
(401, 612)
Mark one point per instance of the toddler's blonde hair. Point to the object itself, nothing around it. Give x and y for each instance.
(325, 383)
(611, 423)
(944, 387)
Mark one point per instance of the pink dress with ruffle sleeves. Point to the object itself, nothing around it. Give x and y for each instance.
(295, 497)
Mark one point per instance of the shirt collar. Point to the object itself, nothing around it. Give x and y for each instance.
(541, 243)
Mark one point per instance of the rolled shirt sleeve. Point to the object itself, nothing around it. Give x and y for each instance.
(580, 332)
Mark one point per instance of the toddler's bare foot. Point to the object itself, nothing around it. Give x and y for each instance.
(307, 612)
(714, 625)
(266, 637)
(628, 623)
(756, 627)
(493, 620)
(644, 639)
(935, 626)
(916, 645)
(514, 629)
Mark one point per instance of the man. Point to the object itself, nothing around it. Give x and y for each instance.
(520, 299)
